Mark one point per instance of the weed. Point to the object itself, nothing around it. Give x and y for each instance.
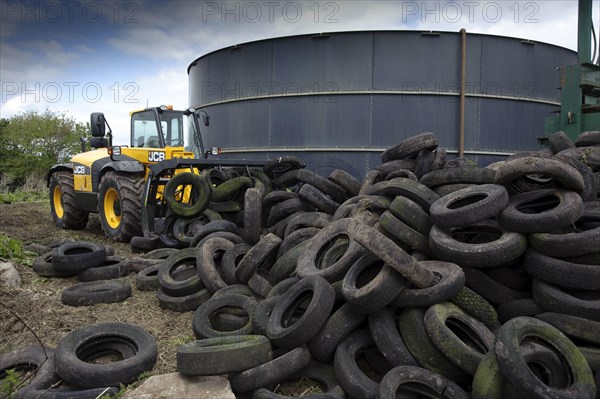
(10, 384)
(183, 340)
(10, 249)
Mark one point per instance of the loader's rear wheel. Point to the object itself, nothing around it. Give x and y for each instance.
(120, 205)
(62, 202)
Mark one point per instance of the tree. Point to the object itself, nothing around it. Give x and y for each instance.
(30, 143)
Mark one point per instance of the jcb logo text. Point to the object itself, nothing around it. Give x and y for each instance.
(156, 156)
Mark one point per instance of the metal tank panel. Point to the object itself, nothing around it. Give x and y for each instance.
(338, 99)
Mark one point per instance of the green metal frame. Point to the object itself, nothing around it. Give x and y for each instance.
(580, 85)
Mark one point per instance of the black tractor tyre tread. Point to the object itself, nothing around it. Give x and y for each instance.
(490, 289)
(147, 279)
(271, 373)
(460, 175)
(112, 268)
(476, 305)
(563, 273)
(446, 189)
(560, 141)
(408, 188)
(410, 147)
(73, 368)
(181, 304)
(404, 233)
(423, 163)
(553, 299)
(337, 193)
(387, 168)
(518, 307)
(93, 292)
(318, 199)
(566, 245)
(588, 139)
(412, 214)
(386, 334)
(253, 219)
(265, 249)
(574, 327)
(339, 325)
(130, 189)
(73, 217)
(223, 355)
(346, 181)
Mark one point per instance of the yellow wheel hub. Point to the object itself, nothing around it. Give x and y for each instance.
(112, 208)
(57, 203)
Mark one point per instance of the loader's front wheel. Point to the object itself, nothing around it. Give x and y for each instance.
(120, 205)
(62, 202)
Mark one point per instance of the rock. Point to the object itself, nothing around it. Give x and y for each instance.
(178, 386)
(9, 275)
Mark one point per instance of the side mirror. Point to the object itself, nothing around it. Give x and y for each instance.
(206, 119)
(98, 124)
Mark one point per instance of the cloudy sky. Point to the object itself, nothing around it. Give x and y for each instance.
(115, 56)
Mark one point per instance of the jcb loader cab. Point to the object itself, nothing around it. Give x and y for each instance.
(110, 179)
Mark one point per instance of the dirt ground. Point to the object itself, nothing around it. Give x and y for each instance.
(35, 309)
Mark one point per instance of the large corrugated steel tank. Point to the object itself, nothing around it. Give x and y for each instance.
(339, 99)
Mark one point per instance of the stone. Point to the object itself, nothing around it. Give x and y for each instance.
(9, 275)
(179, 386)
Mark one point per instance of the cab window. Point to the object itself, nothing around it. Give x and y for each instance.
(145, 130)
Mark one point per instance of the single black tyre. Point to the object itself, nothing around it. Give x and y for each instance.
(521, 376)
(93, 292)
(286, 333)
(481, 245)
(75, 352)
(470, 205)
(187, 186)
(220, 355)
(111, 268)
(77, 256)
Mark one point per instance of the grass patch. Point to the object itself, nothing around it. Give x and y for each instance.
(10, 384)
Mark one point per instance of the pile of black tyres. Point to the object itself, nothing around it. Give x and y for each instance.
(430, 277)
